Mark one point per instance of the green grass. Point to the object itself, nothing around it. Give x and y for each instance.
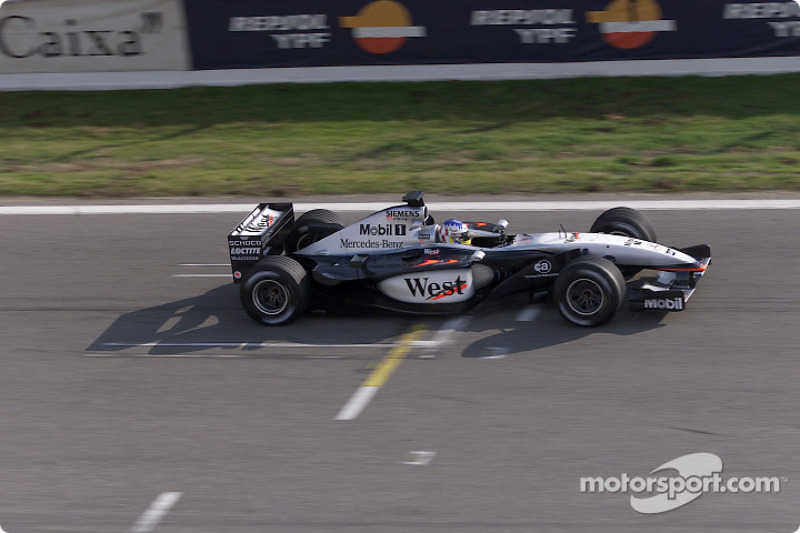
(629, 134)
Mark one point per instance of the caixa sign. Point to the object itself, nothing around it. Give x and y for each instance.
(129, 35)
(21, 37)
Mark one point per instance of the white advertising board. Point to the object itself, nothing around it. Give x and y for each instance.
(56, 36)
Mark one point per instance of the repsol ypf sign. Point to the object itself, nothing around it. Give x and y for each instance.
(83, 36)
(306, 33)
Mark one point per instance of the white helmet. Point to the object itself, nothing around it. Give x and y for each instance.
(454, 232)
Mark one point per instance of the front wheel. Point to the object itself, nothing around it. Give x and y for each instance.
(276, 291)
(629, 223)
(625, 221)
(589, 293)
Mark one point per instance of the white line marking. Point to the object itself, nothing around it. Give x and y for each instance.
(100, 355)
(1, 527)
(379, 375)
(246, 345)
(448, 328)
(425, 344)
(205, 264)
(169, 323)
(419, 458)
(496, 352)
(442, 337)
(167, 355)
(680, 205)
(357, 402)
(201, 276)
(156, 512)
(528, 313)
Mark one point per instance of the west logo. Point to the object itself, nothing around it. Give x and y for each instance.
(264, 220)
(434, 291)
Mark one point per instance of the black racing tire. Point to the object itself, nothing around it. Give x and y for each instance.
(276, 291)
(589, 292)
(312, 226)
(629, 223)
(625, 221)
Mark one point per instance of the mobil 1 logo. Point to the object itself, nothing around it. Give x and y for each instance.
(660, 301)
(665, 304)
(382, 229)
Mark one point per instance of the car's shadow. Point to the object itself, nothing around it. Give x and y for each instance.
(215, 321)
(547, 330)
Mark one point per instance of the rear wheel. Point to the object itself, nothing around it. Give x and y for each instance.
(311, 227)
(589, 293)
(276, 291)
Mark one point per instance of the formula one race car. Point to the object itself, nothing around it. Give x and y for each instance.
(399, 258)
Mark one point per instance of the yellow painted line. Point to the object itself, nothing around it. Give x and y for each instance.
(393, 359)
(379, 376)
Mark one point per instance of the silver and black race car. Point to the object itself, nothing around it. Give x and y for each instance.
(399, 258)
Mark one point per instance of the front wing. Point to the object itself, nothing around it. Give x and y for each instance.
(670, 289)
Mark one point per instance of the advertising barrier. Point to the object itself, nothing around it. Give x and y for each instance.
(55, 36)
(243, 34)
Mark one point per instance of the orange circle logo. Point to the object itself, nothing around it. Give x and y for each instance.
(630, 24)
(381, 27)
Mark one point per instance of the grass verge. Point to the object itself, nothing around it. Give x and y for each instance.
(592, 134)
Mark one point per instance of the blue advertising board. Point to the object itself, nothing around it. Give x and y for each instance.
(230, 34)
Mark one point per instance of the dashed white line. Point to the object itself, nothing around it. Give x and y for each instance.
(495, 352)
(379, 376)
(442, 337)
(419, 458)
(169, 323)
(195, 355)
(448, 328)
(97, 355)
(244, 345)
(156, 512)
(357, 402)
(528, 313)
(201, 275)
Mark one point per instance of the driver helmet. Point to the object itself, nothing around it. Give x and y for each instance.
(454, 232)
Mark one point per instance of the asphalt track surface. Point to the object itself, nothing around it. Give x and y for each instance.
(135, 395)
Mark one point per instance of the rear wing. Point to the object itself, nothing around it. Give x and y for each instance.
(261, 233)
